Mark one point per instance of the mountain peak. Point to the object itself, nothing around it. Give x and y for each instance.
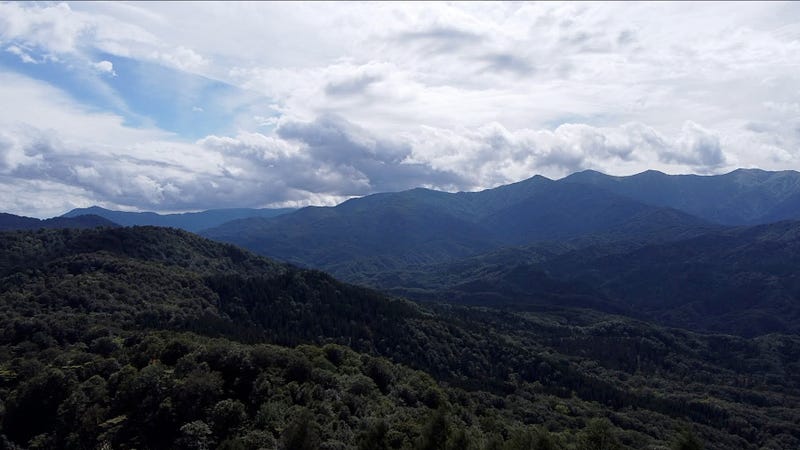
(650, 173)
(94, 209)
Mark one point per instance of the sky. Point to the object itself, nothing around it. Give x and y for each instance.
(189, 106)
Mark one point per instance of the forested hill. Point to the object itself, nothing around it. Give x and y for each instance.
(421, 226)
(11, 222)
(156, 338)
(742, 280)
(191, 221)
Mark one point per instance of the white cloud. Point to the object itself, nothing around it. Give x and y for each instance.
(492, 155)
(373, 96)
(55, 28)
(698, 147)
(23, 55)
(105, 67)
(181, 58)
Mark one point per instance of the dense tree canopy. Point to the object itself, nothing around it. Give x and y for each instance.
(155, 338)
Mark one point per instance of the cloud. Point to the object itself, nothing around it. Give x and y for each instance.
(697, 147)
(507, 62)
(55, 28)
(382, 97)
(329, 155)
(492, 155)
(23, 55)
(182, 58)
(356, 85)
(105, 67)
(440, 39)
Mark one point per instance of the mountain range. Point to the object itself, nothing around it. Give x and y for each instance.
(420, 226)
(192, 221)
(390, 230)
(13, 222)
(741, 197)
(679, 250)
(651, 311)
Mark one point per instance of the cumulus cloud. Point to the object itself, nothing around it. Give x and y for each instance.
(56, 30)
(181, 58)
(696, 147)
(326, 156)
(105, 67)
(391, 96)
(491, 155)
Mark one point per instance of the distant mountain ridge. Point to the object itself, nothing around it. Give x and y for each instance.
(741, 197)
(422, 226)
(10, 222)
(192, 221)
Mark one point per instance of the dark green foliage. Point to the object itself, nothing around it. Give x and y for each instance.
(599, 435)
(381, 374)
(686, 440)
(152, 338)
(195, 436)
(302, 434)
(33, 407)
(741, 281)
(375, 437)
(437, 432)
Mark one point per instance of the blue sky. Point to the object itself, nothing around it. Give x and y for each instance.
(176, 107)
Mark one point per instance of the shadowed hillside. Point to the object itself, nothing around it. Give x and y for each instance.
(147, 337)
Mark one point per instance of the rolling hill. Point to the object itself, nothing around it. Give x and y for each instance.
(149, 337)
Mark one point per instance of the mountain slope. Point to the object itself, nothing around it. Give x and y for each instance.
(12, 222)
(146, 337)
(194, 221)
(741, 197)
(397, 230)
(740, 280)
(568, 211)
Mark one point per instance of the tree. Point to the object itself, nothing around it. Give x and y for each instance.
(600, 434)
(374, 438)
(302, 433)
(436, 432)
(195, 436)
(686, 440)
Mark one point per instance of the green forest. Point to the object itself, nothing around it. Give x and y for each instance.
(149, 337)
